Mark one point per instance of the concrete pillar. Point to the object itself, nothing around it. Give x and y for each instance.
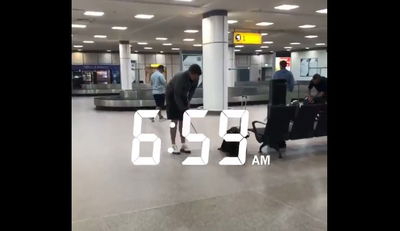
(125, 65)
(232, 72)
(215, 60)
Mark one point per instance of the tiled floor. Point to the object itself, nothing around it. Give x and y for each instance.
(110, 193)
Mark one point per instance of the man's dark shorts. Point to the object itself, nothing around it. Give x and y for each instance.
(160, 100)
(173, 112)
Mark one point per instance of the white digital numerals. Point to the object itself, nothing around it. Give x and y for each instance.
(240, 137)
(205, 141)
(139, 137)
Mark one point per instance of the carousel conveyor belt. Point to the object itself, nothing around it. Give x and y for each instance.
(95, 92)
(116, 102)
(143, 98)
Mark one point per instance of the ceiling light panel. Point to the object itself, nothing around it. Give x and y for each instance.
(191, 31)
(264, 23)
(94, 13)
(144, 16)
(286, 7)
(78, 26)
(307, 26)
(119, 27)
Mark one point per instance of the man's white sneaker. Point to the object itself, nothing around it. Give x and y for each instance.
(265, 150)
(185, 149)
(175, 149)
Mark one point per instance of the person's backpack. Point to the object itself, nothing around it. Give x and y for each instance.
(231, 148)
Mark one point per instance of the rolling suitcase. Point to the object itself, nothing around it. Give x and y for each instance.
(232, 148)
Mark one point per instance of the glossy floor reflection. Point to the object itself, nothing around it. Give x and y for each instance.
(109, 193)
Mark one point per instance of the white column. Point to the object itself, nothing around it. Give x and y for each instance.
(125, 65)
(215, 60)
(232, 65)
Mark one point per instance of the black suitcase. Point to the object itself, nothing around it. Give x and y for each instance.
(232, 148)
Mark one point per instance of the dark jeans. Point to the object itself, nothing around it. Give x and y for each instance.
(160, 100)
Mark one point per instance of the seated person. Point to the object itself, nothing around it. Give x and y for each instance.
(321, 85)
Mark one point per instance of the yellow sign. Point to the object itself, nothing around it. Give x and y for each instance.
(154, 65)
(246, 38)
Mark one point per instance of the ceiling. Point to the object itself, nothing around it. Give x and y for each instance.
(172, 17)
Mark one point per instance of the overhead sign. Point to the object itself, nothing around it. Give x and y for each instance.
(154, 65)
(247, 38)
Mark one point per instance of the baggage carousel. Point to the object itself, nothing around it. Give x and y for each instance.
(97, 90)
(142, 98)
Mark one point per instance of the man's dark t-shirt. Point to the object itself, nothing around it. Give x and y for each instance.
(321, 86)
(179, 92)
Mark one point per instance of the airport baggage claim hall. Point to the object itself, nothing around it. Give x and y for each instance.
(125, 172)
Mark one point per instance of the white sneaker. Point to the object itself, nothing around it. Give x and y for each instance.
(185, 149)
(264, 150)
(175, 149)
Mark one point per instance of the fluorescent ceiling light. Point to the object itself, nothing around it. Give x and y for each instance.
(263, 34)
(160, 38)
(144, 16)
(78, 26)
(264, 47)
(88, 41)
(286, 7)
(100, 36)
(136, 51)
(288, 47)
(323, 11)
(306, 26)
(161, 51)
(264, 23)
(79, 49)
(191, 31)
(142, 43)
(239, 46)
(232, 21)
(236, 50)
(167, 44)
(258, 50)
(148, 48)
(307, 48)
(295, 43)
(108, 50)
(175, 49)
(119, 27)
(183, 0)
(93, 13)
(188, 39)
(320, 44)
(268, 42)
(78, 46)
(311, 36)
(197, 45)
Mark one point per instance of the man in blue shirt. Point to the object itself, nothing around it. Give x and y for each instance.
(158, 85)
(288, 76)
